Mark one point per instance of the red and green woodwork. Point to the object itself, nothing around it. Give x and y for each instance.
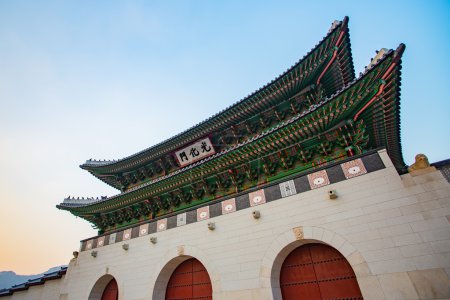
(314, 114)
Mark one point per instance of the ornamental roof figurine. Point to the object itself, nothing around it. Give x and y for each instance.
(313, 115)
(421, 165)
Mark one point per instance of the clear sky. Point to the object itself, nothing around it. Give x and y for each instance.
(106, 79)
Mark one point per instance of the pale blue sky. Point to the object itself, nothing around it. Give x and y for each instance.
(105, 79)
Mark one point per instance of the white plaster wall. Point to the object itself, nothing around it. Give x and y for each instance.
(394, 231)
(48, 291)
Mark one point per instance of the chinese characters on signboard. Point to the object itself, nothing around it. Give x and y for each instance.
(194, 152)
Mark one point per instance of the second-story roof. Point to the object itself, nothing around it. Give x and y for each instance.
(328, 63)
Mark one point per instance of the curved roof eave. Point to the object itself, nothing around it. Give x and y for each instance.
(398, 156)
(94, 166)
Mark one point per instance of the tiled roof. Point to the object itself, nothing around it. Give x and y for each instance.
(70, 203)
(36, 281)
(207, 125)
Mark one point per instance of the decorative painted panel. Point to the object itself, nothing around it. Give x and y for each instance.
(143, 230)
(181, 219)
(257, 198)
(112, 238)
(203, 213)
(228, 206)
(126, 234)
(101, 241)
(353, 168)
(287, 188)
(318, 179)
(161, 225)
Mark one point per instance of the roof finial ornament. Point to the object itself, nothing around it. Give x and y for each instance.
(334, 25)
(379, 55)
(399, 51)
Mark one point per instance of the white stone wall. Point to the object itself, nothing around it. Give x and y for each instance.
(394, 230)
(50, 290)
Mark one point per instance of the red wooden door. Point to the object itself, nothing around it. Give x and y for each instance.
(111, 291)
(190, 280)
(317, 271)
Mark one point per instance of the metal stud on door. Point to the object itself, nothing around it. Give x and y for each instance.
(190, 280)
(317, 271)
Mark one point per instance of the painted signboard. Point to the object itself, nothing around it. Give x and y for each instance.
(195, 152)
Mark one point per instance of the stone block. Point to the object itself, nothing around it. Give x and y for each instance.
(337, 241)
(440, 246)
(416, 250)
(443, 211)
(407, 180)
(307, 232)
(328, 236)
(397, 286)
(363, 236)
(239, 295)
(377, 244)
(432, 261)
(382, 254)
(362, 270)
(430, 224)
(344, 215)
(392, 266)
(435, 235)
(402, 219)
(240, 285)
(317, 233)
(425, 175)
(411, 209)
(356, 258)
(346, 249)
(407, 239)
(431, 284)
(371, 288)
(395, 230)
(435, 185)
(262, 294)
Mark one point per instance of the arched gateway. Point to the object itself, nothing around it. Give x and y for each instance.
(190, 280)
(317, 271)
(111, 291)
(105, 289)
